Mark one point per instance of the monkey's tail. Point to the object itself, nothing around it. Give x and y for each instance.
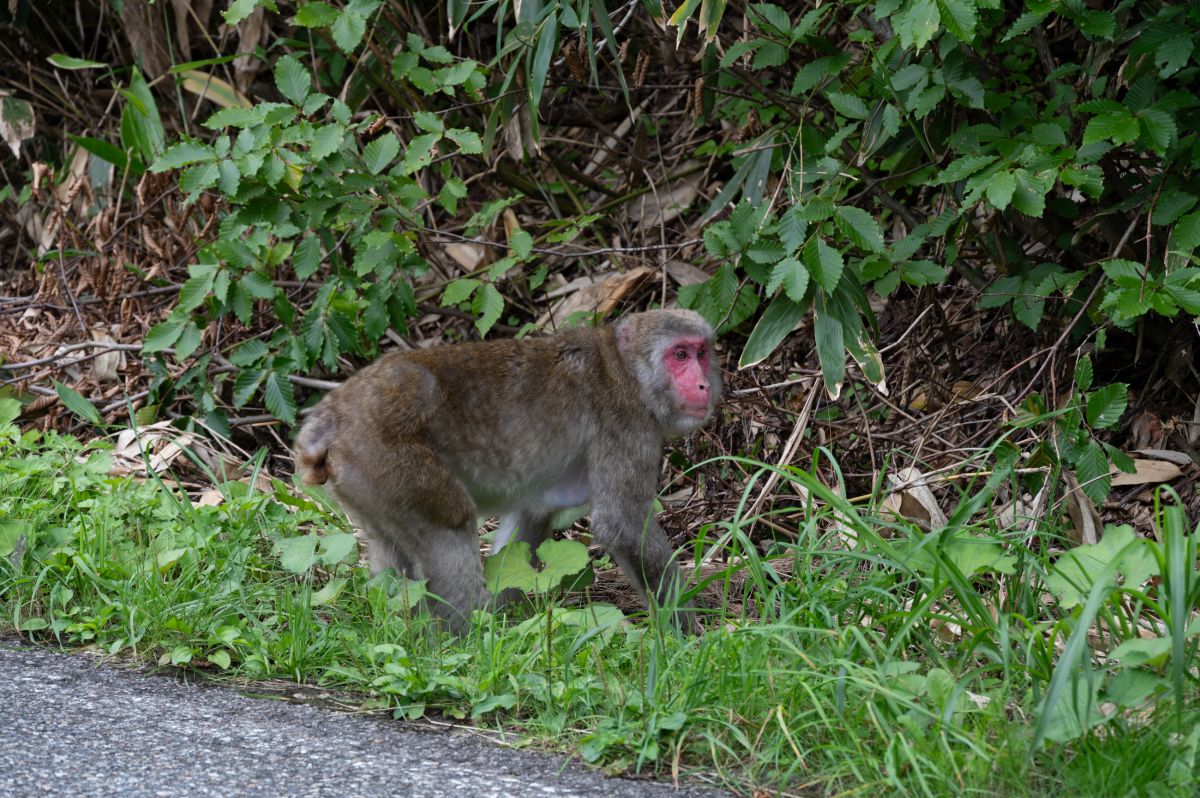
(312, 448)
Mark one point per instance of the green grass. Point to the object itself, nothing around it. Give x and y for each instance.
(943, 664)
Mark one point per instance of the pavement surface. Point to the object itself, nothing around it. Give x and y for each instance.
(71, 727)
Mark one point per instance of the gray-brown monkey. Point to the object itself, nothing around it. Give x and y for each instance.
(419, 444)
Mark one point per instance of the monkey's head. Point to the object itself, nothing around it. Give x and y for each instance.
(670, 352)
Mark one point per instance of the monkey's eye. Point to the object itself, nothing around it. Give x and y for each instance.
(701, 353)
(681, 354)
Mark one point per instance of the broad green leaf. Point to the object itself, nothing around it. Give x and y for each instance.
(292, 79)
(1105, 406)
(336, 547)
(831, 347)
(488, 304)
(848, 105)
(77, 404)
(860, 227)
(824, 264)
(1000, 188)
(315, 15)
(459, 290)
(378, 154)
(1077, 570)
(162, 335)
(348, 30)
(917, 23)
(182, 154)
(279, 398)
(1083, 373)
(297, 554)
(792, 276)
(779, 319)
(468, 141)
(141, 126)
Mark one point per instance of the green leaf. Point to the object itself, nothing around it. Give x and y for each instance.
(306, 258)
(848, 105)
(468, 141)
(336, 547)
(1092, 469)
(960, 18)
(458, 291)
(962, 168)
(779, 319)
(315, 15)
(188, 341)
(1083, 373)
(378, 154)
(488, 304)
(348, 30)
(1119, 127)
(521, 243)
(141, 126)
(1105, 406)
(292, 79)
(1077, 570)
(279, 398)
(420, 152)
(860, 227)
(77, 404)
(1000, 188)
(1186, 235)
(297, 554)
(70, 62)
(831, 348)
(539, 67)
(824, 263)
(511, 567)
(917, 23)
(162, 335)
(792, 276)
(182, 154)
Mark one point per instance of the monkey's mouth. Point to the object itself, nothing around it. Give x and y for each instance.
(695, 411)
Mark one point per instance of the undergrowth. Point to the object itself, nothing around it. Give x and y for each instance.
(863, 656)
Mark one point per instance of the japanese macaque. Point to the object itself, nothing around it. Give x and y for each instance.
(419, 444)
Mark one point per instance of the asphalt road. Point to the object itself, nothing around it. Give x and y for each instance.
(69, 727)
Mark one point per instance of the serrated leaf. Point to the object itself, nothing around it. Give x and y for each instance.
(292, 79)
(458, 291)
(326, 140)
(1000, 188)
(182, 154)
(468, 141)
(1105, 406)
(378, 154)
(315, 15)
(279, 398)
(824, 264)
(1083, 373)
(1186, 235)
(306, 258)
(521, 243)
(488, 304)
(348, 30)
(77, 404)
(162, 336)
(848, 105)
(917, 23)
(860, 227)
(792, 276)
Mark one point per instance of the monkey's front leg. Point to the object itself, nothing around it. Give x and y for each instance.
(624, 524)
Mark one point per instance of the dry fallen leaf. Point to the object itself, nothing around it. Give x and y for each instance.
(911, 498)
(1147, 472)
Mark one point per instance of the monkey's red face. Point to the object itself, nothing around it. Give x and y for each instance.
(687, 360)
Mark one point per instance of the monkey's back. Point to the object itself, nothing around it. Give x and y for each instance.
(487, 410)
